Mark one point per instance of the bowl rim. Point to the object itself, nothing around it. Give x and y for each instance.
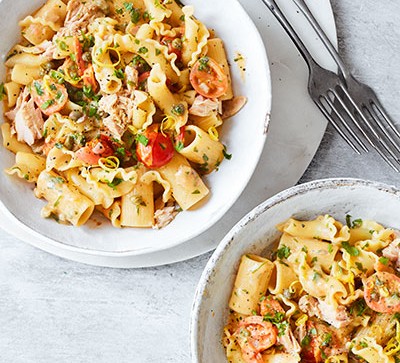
(299, 189)
(58, 243)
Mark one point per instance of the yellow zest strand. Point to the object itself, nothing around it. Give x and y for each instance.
(168, 123)
(46, 83)
(107, 65)
(67, 76)
(393, 345)
(302, 320)
(212, 131)
(109, 163)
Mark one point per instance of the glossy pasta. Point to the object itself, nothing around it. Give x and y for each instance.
(329, 293)
(115, 106)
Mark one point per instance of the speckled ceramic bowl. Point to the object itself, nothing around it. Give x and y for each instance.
(256, 232)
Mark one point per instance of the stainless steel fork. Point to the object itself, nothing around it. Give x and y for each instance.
(350, 106)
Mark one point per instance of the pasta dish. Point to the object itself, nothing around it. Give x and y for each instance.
(115, 106)
(329, 293)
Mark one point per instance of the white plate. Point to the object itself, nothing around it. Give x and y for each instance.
(295, 132)
(244, 135)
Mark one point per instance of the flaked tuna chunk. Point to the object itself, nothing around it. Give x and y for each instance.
(27, 119)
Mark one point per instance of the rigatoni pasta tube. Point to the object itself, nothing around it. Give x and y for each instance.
(137, 207)
(187, 186)
(64, 201)
(23, 74)
(12, 90)
(251, 283)
(284, 277)
(201, 149)
(10, 141)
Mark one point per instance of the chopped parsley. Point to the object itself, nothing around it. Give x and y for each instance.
(57, 76)
(135, 13)
(384, 260)
(47, 104)
(353, 224)
(306, 341)
(358, 307)
(327, 339)
(113, 184)
(283, 252)
(63, 46)
(226, 155)
(119, 73)
(179, 146)
(278, 320)
(203, 64)
(2, 91)
(351, 250)
(38, 88)
(143, 50)
(142, 139)
(178, 109)
(140, 64)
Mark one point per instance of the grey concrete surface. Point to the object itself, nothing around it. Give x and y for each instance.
(54, 310)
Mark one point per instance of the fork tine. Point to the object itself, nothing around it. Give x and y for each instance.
(353, 118)
(382, 142)
(336, 126)
(342, 119)
(376, 105)
(374, 116)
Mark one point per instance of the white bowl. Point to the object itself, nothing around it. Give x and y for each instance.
(256, 232)
(244, 136)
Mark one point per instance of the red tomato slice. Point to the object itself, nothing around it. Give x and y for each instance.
(89, 78)
(208, 78)
(320, 342)
(153, 148)
(143, 77)
(95, 149)
(382, 292)
(254, 336)
(174, 46)
(78, 54)
(50, 98)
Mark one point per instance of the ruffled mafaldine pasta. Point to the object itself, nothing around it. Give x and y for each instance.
(114, 106)
(329, 293)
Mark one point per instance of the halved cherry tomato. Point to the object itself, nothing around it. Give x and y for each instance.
(143, 77)
(89, 78)
(208, 78)
(95, 149)
(320, 342)
(382, 292)
(50, 97)
(255, 335)
(78, 55)
(174, 45)
(153, 148)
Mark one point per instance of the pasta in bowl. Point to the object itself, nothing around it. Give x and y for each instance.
(314, 289)
(119, 107)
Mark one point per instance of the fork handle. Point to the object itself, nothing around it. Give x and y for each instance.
(274, 8)
(301, 4)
